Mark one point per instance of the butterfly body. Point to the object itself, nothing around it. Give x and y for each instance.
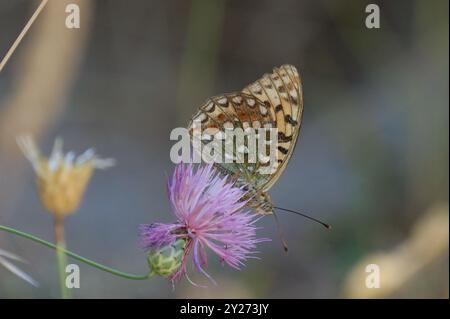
(273, 101)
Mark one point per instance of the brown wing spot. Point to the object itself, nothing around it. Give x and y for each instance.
(266, 83)
(283, 138)
(221, 117)
(282, 150)
(243, 116)
(254, 116)
(293, 100)
(290, 120)
(263, 164)
(278, 108)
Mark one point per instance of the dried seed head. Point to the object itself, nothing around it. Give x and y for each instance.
(62, 178)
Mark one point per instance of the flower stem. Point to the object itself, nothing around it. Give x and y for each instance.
(60, 256)
(77, 257)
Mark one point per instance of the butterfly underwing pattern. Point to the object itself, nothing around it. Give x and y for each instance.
(273, 101)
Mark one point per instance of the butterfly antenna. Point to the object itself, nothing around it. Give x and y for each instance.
(280, 233)
(304, 215)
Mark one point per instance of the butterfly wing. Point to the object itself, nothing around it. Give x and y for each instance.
(227, 112)
(275, 100)
(282, 92)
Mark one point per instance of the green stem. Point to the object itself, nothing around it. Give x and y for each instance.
(62, 262)
(75, 256)
(61, 257)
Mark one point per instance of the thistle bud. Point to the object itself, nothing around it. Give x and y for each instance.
(166, 260)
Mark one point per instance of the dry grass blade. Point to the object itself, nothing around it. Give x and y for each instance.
(22, 34)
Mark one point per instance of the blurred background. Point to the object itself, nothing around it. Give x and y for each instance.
(372, 157)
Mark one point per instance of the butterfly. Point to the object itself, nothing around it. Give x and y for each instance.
(276, 101)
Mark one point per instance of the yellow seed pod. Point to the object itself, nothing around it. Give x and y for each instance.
(62, 178)
(61, 190)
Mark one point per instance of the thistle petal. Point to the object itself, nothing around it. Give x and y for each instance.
(209, 212)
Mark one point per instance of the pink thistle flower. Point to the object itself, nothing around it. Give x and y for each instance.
(209, 212)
